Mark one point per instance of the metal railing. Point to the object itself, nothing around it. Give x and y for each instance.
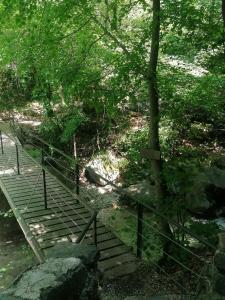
(46, 193)
(139, 216)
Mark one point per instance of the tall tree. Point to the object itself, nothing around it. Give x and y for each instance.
(154, 100)
(223, 12)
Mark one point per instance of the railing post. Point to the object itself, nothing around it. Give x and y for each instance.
(1, 142)
(44, 180)
(17, 160)
(139, 230)
(77, 178)
(95, 231)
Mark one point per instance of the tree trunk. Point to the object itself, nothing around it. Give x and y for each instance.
(223, 12)
(156, 165)
(154, 100)
(223, 16)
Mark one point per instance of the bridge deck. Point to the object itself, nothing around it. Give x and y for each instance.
(63, 220)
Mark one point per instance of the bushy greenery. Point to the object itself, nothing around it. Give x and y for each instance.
(130, 144)
(125, 226)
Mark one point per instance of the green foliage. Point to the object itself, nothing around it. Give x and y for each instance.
(208, 231)
(125, 226)
(71, 125)
(131, 144)
(35, 153)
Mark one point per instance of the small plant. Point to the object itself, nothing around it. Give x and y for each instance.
(35, 153)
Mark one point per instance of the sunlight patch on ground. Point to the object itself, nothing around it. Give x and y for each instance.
(190, 68)
(29, 122)
(7, 172)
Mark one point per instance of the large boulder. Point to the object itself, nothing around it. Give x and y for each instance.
(69, 273)
(87, 253)
(207, 194)
(55, 279)
(142, 191)
(105, 165)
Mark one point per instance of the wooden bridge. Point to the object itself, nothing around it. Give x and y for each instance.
(49, 213)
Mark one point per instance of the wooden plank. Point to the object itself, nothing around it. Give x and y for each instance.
(38, 200)
(106, 254)
(54, 217)
(49, 243)
(38, 182)
(101, 238)
(49, 231)
(109, 244)
(20, 178)
(24, 185)
(65, 219)
(44, 241)
(120, 270)
(30, 205)
(27, 210)
(48, 212)
(25, 193)
(116, 261)
(71, 229)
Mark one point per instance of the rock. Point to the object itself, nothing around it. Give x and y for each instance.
(87, 253)
(101, 196)
(141, 191)
(220, 284)
(106, 165)
(56, 279)
(207, 195)
(69, 273)
(94, 177)
(220, 262)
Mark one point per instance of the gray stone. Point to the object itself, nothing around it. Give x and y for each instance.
(220, 284)
(207, 193)
(93, 177)
(106, 165)
(56, 279)
(220, 262)
(142, 191)
(87, 253)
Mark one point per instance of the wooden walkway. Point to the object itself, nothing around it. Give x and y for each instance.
(63, 220)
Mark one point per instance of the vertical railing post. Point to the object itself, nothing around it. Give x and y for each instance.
(95, 231)
(77, 178)
(139, 230)
(1, 142)
(17, 160)
(44, 180)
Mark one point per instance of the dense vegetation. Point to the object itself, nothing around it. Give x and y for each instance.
(127, 75)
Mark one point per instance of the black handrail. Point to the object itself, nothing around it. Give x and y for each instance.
(83, 233)
(138, 202)
(2, 149)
